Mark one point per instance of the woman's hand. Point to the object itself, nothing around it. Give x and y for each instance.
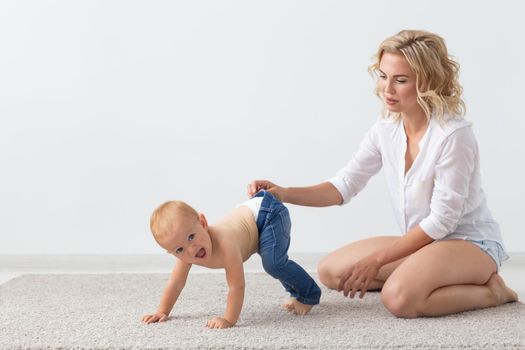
(359, 276)
(257, 185)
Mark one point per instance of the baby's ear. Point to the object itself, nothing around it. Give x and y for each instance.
(203, 221)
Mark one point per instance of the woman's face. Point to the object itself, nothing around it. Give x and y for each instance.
(397, 84)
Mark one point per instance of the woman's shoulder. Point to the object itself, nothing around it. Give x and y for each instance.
(455, 133)
(453, 127)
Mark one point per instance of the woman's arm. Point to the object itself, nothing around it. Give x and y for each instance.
(322, 195)
(454, 193)
(347, 183)
(407, 244)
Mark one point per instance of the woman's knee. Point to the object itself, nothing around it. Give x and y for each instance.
(399, 300)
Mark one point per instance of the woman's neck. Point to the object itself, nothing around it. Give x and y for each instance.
(414, 123)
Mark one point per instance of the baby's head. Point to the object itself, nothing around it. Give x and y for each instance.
(183, 232)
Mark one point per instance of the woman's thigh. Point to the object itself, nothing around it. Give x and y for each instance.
(439, 264)
(332, 266)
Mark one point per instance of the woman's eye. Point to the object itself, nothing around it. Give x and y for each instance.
(178, 250)
(191, 236)
(401, 81)
(382, 77)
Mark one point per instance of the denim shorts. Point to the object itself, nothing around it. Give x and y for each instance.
(493, 249)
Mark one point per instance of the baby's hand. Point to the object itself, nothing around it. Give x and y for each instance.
(218, 322)
(157, 317)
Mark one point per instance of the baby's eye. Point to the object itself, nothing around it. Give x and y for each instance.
(179, 250)
(191, 236)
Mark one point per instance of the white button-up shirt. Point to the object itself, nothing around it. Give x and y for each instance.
(441, 191)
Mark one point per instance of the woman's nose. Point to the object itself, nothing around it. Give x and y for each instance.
(389, 88)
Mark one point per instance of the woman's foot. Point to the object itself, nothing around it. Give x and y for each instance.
(296, 307)
(502, 293)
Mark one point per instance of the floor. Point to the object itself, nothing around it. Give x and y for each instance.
(11, 266)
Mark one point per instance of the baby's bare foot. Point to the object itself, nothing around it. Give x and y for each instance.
(288, 305)
(296, 307)
(503, 293)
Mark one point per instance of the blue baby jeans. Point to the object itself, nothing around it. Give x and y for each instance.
(273, 223)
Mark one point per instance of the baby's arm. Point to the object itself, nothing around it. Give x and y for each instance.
(171, 292)
(235, 278)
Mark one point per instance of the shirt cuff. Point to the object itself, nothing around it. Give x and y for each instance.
(342, 187)
(432, 228)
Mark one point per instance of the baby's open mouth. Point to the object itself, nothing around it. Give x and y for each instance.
(201, 253)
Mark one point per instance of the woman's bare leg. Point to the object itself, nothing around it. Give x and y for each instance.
(442, 278)
(332, 266)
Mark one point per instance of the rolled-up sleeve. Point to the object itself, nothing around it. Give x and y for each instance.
(365, 163)
(453, 174)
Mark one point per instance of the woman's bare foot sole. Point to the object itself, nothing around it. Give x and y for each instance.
(503, 293)
(296, 307)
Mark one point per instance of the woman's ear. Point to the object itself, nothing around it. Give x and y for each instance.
(203, 221)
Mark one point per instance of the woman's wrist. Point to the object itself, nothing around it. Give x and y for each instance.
(380, 257)
(283, 194)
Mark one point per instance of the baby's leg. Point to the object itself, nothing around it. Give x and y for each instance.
(274, 240)
(296, 307)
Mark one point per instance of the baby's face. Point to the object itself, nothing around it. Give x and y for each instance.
(189, 240)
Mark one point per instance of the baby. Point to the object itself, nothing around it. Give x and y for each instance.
(261, 224)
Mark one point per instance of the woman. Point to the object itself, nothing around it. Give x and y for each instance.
(449, 255)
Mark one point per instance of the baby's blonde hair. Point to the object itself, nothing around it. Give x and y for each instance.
(165, 215)
(438, 88)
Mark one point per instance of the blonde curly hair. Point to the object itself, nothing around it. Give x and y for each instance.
(438, 89)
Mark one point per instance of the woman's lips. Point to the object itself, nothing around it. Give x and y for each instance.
(391, 101)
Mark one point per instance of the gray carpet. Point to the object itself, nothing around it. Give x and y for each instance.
(103, 312)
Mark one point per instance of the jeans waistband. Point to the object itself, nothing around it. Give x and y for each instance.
(269, 204)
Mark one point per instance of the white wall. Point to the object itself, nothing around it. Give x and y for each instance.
(108, 108)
